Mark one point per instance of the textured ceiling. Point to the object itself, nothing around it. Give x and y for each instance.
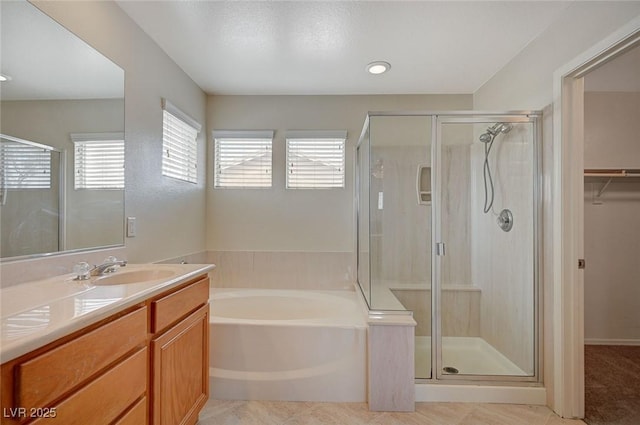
(303, 47)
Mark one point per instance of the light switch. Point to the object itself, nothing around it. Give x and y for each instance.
(131, 227)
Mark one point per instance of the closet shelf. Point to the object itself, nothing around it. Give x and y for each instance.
(613, 173)
(609, 174)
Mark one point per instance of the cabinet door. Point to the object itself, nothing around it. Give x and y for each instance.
(181, 370)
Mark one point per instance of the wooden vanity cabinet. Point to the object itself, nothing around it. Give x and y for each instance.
(91, 376)
(145, 365)
(180, 354)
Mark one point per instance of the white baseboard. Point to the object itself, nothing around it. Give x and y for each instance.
(602, 341)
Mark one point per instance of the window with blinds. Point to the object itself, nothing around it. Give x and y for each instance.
(24, 166)
(98, 161)
(179, 144)
(315, 162)
(243, 160)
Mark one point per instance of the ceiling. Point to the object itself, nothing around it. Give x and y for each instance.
(322, 47)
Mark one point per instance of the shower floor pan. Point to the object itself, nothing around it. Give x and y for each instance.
(467, 355)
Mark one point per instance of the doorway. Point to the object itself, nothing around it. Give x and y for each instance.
(612, 241)
(569, 218)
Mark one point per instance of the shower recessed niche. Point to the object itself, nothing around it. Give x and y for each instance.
(423, 184)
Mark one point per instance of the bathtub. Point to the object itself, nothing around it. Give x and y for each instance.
(287, 345)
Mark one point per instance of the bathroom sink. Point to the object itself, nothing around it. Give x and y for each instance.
(122, 277)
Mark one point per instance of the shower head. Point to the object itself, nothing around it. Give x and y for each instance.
(494, 130)
(499, 128)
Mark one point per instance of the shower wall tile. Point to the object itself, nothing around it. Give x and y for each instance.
(283, 270)
(460, 310)
(503, 261)
(400, 227)
(456, 223)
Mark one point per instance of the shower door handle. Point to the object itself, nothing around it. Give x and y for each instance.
(440, 249)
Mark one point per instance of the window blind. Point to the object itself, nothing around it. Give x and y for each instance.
(23, 166)
(315, 163)
(98, 161)
(242, 162)
(179, 149)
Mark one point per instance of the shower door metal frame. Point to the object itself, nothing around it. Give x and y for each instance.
(471, 117)
(437, 118)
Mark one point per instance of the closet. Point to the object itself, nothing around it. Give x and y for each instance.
(612, 240)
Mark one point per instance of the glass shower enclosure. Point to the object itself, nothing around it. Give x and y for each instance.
(448, 209)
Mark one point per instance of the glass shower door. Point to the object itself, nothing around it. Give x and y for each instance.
(399, 216)
(486, 273)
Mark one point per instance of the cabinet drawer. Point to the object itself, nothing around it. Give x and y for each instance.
(173, 307)
(45, 378)
(106, 397)
(137, 415)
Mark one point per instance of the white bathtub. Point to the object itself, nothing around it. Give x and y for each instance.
(292, 345)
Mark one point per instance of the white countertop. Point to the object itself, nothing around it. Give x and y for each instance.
(36, 313)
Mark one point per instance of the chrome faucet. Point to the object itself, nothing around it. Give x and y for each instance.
(109, 265)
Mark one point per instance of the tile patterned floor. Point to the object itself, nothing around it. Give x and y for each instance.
(612, 385)
(218, 412)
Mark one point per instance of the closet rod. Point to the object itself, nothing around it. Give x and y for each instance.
(611, 173)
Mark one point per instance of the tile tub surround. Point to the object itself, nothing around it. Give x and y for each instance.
(391, 367)
(282, 270)
(37, 313)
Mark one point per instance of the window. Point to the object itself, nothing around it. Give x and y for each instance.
(315, 160)
(98, 160)
(242, 159)
(179, 144)
(24, 165)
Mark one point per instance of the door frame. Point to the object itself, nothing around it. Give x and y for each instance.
(568, 216)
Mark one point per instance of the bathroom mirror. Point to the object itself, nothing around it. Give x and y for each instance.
(66, 99)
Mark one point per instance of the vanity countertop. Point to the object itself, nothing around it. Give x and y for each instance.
(36, 313)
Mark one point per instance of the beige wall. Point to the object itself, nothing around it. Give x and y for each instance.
(277, 219)
(612, 129)
(170, 214)
(527, 81)
(612, 221)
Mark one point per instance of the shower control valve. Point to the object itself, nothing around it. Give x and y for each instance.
(505, 220)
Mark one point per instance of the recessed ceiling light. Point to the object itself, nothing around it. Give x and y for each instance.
(4, 78)
(378, 67)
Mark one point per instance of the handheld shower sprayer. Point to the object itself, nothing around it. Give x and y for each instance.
(494, 130)
(488, 138)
